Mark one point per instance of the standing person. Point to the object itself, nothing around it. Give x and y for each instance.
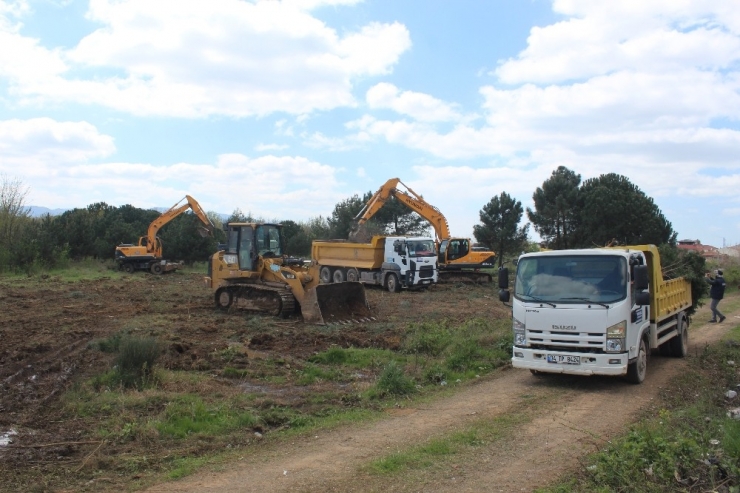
(716, 292)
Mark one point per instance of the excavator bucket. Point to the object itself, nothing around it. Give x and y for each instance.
(342, 302)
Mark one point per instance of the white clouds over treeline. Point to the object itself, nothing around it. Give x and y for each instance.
(650, 90)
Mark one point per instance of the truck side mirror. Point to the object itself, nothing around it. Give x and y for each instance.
(640, 276)
(504, 296)
(642, 298)
(503, 278)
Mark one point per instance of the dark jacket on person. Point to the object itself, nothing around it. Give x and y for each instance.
(717, 291)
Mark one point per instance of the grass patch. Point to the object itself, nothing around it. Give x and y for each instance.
(188, 415)
(354, 357)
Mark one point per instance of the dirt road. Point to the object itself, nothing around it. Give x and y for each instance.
(574, 417)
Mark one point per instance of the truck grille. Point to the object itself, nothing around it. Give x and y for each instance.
(587, 342)
(426, 271)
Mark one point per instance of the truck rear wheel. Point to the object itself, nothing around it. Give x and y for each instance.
(637, 369)
(680, 344)
(338, 276)
(156, 268)
(392, 283)
(128, 267)
(353, 275)
(325, 275)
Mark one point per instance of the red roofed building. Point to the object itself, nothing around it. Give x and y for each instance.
(706, 251)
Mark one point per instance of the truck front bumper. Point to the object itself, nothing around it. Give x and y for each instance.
(580, 363)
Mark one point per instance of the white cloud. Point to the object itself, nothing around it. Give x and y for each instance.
(33, 145)
(650, 90)
(600, 37)
(270, 147)
(188, 58)
(419, 106)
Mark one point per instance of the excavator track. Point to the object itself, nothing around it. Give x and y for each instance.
(274, 301)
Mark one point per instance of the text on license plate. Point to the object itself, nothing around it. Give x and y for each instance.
(560, 359)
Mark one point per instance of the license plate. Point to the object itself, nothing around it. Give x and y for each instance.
(559, 359)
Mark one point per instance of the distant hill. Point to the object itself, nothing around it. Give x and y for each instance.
(37, 211)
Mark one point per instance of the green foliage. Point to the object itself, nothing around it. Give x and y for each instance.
(342, 217)
(612, 208)
(135, 360)
(393, 380)
(602, 210)
(109, 344)
(500, 229)
(555, 216)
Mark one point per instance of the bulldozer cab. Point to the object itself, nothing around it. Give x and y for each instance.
(250, 241)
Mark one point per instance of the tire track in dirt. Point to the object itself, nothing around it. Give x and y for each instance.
(591, 410)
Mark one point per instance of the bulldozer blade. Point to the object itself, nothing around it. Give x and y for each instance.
(335, 303)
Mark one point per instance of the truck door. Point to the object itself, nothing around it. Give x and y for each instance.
(246, 234)
(443, 252)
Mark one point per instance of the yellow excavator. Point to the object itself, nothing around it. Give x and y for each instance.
(147, 254)
(253, 270)
(457, 257)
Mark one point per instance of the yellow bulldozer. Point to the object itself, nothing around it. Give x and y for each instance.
(253, 270)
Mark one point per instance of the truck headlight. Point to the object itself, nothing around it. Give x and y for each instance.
(615, 336)
(520, 335)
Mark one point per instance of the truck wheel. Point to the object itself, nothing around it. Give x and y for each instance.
(637, 370)
(325, 275)
(156, 269)
(392, 283)
(224, 297)
(353, 275)
(338, 276)
(680, 344)
(129, 268)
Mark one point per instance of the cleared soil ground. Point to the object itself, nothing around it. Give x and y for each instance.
(49, 327)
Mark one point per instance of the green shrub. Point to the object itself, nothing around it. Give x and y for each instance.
(135, 360)
(428, 338)
(393, 380)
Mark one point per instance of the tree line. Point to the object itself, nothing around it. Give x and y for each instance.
(567, 213)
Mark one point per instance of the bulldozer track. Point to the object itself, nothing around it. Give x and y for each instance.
(254, 292)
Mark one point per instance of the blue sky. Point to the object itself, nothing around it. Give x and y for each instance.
(283, 108)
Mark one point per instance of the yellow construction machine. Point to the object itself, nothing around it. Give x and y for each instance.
(147, 254)
(253, 270)
(457, 257)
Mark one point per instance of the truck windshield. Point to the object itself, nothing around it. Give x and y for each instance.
(422, 248)
(572, 279)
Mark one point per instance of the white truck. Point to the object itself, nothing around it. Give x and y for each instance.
(390, 261)
(595, 311)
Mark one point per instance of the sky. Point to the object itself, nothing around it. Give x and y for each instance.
(284, 108)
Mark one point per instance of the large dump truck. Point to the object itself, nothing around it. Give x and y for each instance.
(393, 262)
(596, 311)
(253, 268)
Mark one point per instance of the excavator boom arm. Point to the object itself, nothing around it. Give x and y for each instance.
(174, 211)
(412, 200)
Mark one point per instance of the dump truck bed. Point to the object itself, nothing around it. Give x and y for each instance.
(341, 253)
